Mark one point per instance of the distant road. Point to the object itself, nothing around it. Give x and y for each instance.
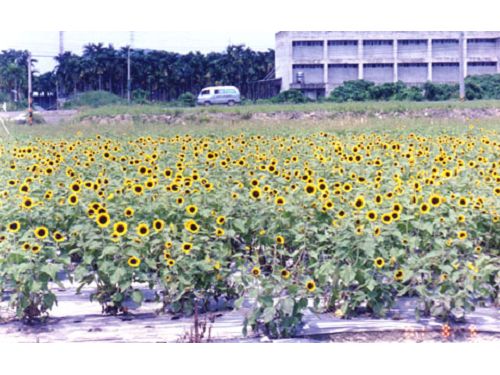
(51, 117)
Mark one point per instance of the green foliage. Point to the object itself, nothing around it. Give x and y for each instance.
(290, 96)
(140, 96)
(440, 91)
(412, 93)
(4, 97)
(276, 319)
(355, 91)
(395, 91)
(449, 275)
(386, 91)
(187, 100)
(485, 86)
(473, 91)
(93, 99)
(28, 276)
(163, 75)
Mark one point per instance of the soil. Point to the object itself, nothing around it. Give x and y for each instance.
(203, 117)
(413, 337)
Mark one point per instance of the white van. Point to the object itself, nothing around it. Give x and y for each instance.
(229, 95)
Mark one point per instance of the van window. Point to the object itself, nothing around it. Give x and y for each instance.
(217, 92)
(205, 92)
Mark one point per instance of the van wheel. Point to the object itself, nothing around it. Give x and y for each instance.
(207, 104)
(230, 103)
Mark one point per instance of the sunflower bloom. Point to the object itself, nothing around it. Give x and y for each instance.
(311, 286)
(142, 229)
(134, 262)
(191, 226)
(14, 227)
(379, 263)
(41, 233)
(120, 228)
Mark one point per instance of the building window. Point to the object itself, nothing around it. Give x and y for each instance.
(307, 43)
(413, 42)
(378, 65)
(343, 66)
(482, 63)
(445, 41)
(377, 42)
(445, 64)
(342, 42)
(412, 65)
(479, 40)
(307, 66)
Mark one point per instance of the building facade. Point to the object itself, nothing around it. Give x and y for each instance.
(316, 62)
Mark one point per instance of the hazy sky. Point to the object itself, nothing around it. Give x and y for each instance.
(47, 42)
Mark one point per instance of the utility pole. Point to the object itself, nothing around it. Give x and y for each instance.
(30, 109)
(61, 51)
(462, 67)
(61, 42)
(129, 80)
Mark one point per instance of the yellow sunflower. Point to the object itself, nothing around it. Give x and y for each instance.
(191, 226)
(134, 262)
(379, 262)
(14, 227)
(41, 232)
(310, 286)
(120, 228)
(142, 229)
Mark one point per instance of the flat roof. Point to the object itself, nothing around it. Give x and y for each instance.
(310, 35)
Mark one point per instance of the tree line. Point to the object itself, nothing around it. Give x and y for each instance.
(156, 75)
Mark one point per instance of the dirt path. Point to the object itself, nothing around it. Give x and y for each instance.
(50, 117)
(76, 319)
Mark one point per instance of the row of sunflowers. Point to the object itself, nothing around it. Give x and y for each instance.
(345, 223)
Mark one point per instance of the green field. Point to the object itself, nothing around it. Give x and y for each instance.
(354, 107)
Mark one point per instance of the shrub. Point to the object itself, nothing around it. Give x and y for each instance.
(439, 91)
(485, 86)
(4, 98)
(290, 96)
(356, 91)
(386, 91)
(473, 91)
(93, 99)
(140, 96)
(187, 100)
(410, 94)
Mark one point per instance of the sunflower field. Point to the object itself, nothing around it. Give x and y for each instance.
(339, 222)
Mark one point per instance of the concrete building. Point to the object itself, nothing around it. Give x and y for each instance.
(315, 62)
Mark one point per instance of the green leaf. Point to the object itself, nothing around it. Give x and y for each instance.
(287, 306)
(446, 269)
(151, 263)
(49, 300)
(347, 274)
(109, 250)
(369, 249)
(36, 286)
(240, 226)
(51, 270)
(137, 296)
(371, 285)
(238, 303)
(268, 314)
(266, 301)
(117, 276)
